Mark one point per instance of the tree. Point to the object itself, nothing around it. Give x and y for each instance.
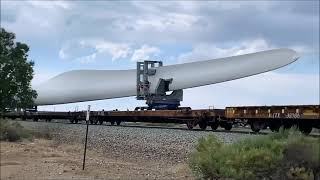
(16, 73)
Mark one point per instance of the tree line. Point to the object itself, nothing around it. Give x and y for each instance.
(16, 73)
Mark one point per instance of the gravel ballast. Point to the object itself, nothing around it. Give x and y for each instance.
(157, 144)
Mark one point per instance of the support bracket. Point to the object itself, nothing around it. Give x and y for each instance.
(159, 99)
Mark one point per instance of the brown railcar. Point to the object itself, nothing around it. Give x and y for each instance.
(201, 117)
(303, 116)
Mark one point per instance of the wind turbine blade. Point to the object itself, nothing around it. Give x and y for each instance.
(88, 85)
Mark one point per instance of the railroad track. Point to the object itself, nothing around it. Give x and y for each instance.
(237, 131)
(142, 126)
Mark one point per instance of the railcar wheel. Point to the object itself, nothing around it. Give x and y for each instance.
(76, 121)
(274, 127)
(203, 125)
(95, 122)
(305, 128)
(214, 126)
(112, 123)
(71, 121)
(287, 125)
(100, 122)
(118, 123)
(91, 121)
(190, 125)
(228, 126)
(255, 126)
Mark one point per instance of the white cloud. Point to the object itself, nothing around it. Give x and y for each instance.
(70, 50)
(206, 51)
(86, 51)
(36, 20)
(50, 4)
(101, 47)
(144, 52)
(115, 50)
(263, 89)
(164, 22)
(88, 59)
(302, 50)
(62, 54)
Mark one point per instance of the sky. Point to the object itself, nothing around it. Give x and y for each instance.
(70, 35)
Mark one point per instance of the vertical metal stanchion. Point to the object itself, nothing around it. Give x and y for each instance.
(85, 144)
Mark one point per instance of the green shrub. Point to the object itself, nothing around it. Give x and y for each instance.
(13, 131)
(272, 156)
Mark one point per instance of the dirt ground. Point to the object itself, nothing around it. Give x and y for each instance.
(44, 159)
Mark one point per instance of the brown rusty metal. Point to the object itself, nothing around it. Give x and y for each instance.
(274, 112)
(167, 113)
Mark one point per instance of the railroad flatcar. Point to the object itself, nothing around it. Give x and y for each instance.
(305, 117)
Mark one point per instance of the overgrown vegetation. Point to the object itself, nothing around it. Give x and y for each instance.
(284, 155)
(13, 131)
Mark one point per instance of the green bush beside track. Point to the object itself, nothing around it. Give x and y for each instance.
(284, 155)
(14, 131)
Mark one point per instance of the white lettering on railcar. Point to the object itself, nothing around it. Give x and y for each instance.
(293, 115)
(274, 115)
(288, 115)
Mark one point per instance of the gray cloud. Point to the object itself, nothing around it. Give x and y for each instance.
(282, 24)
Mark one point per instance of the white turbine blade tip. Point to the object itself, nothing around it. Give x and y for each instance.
(296, 56)
(293, 54)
